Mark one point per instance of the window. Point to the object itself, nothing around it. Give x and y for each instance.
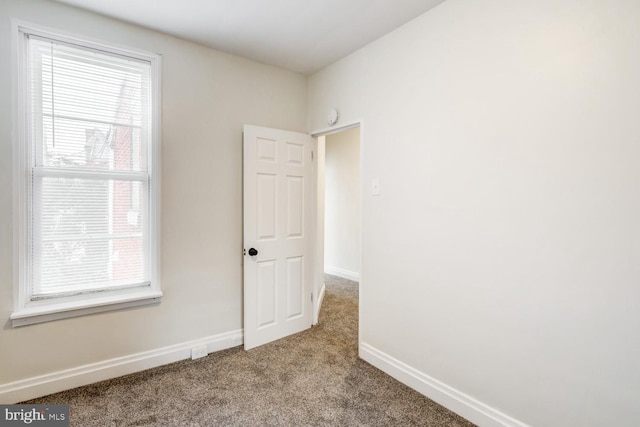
(87, 177)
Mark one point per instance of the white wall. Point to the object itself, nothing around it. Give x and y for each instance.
(207, 97)
(502, 257)
(342, 204)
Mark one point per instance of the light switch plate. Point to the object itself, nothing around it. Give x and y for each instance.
(375, 187)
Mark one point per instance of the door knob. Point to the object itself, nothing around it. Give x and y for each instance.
(253, 252)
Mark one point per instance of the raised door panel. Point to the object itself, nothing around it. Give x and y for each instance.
(267, 150)
(295, 206)
(267, 194)
(267, 294)
(295, 287)
(295, 154)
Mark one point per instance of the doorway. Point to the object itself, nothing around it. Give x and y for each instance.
(339, 207)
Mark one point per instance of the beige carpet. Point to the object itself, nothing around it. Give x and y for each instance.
(310, 379)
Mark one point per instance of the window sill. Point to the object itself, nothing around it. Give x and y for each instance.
(63, 310)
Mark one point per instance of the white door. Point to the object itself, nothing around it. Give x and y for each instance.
(278, 226)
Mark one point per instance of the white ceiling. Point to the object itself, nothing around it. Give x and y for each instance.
(300, 35)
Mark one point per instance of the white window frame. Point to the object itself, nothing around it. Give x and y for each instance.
(25, 310)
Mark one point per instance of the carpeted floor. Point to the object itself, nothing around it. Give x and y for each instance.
(313, 378)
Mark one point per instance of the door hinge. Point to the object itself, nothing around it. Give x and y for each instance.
(312, 155)
(311, 296)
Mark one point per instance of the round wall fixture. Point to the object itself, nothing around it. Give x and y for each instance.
(333, 117)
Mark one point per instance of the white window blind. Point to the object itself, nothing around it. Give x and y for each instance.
(89, 130)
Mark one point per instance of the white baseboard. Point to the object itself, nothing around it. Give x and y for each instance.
(345, 274)
(319, 305)
(452, 399)
(43, 385)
